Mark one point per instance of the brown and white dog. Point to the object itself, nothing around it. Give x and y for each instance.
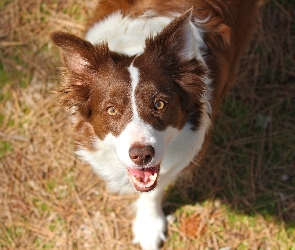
(144, 87)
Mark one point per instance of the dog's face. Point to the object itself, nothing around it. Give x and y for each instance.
(136, 105)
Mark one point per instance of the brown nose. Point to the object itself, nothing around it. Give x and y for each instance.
(141, 155)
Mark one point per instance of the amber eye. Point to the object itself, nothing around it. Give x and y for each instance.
(159, 105)
(112, 111)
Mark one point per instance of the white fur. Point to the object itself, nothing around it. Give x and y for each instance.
(173, 149)
(134, 74)
(149, 225)
(127, 35)
(124, 34)
(107, 165)
(194, 46)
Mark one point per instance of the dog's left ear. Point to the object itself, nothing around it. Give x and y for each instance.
(179, 38)
(177, 51)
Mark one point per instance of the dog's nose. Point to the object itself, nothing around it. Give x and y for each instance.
(141, 155)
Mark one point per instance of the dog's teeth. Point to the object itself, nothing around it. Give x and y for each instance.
(144, 182)
(153, 177)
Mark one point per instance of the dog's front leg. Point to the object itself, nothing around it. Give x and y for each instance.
(149, 225)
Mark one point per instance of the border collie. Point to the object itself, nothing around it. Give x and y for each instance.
(143, 88)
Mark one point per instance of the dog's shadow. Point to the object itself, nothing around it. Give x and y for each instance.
(247, 178)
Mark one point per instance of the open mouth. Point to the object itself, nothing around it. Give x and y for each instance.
(144, 179)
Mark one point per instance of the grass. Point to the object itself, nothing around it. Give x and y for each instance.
(242, 196)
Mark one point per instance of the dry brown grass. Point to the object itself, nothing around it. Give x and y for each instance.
(245, 188)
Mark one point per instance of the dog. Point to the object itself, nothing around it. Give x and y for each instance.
(144, 87)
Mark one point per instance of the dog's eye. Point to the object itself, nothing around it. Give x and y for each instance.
(159, 105)
(112, 111)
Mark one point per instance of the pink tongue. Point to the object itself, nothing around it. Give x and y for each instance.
(142, 173)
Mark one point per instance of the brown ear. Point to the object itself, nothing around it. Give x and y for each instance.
(179, 37)
(176, 50)
(81, 59)
(79, 54)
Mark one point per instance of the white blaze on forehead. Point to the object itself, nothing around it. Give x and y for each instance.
(138, 131)
(134, 74)
(142, 131)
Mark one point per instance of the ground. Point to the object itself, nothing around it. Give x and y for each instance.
(242, 196)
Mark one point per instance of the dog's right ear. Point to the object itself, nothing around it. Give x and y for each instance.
(79, 54)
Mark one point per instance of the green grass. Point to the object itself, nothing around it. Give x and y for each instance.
(272, 150)
(4, 78)
(5, 147)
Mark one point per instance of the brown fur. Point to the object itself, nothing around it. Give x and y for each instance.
(164, 71)
(229, 29)
(90, 71)
(229, 25)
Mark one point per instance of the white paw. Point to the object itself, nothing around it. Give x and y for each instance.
(149, 230)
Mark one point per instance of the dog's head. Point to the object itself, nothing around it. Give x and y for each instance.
(136, 105)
